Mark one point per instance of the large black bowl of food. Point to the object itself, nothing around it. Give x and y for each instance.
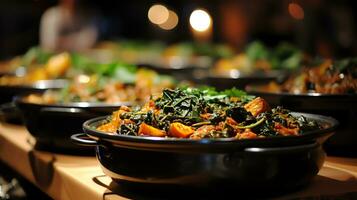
(8, 92)
(53, 124)
(53, 116)
(200, 138)
(8, 111)
(328, 88)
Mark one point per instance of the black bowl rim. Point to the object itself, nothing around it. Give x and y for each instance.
(162, 65)
(179, 143)
(39, 85)
(252, 88)
(268, 75)
(168, 68)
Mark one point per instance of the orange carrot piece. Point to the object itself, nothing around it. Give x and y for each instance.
(180, 130)
(145, 129)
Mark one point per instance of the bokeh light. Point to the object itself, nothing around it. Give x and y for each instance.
(158, 14)
(171, 21)
(200, 20)
(296, 11)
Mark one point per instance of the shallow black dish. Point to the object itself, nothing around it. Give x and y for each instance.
(53, 124)
(238, 80)
(179, 73)
(279, 163)
(342, 107)
(8, 92)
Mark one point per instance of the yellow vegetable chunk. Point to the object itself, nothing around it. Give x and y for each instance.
(146, 129)
(58, 65)
(180, 130)
(112, 126)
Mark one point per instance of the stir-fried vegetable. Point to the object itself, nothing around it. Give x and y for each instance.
(205, 113)
(327, 77)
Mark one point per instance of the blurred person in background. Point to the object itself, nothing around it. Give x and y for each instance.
(69, 26)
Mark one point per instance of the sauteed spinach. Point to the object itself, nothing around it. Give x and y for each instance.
(206, 113)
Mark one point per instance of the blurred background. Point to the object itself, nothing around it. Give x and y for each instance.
(318, 27)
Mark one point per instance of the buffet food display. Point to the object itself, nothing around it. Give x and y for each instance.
(177, 100)
(130, 112)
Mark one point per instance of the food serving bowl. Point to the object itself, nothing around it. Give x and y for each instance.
(8, 92)
(180, 73)
(235, 78)
(339, 106)
(271, 163)
(8, 111)
(53, 124)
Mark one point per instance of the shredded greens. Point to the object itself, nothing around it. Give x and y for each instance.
(207, 113)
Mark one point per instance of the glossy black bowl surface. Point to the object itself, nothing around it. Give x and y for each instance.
(267, 170)
(53, 124)
(342, 107)
(279, 163)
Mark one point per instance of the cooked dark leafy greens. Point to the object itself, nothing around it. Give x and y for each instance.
(324, 76)
(206, 113)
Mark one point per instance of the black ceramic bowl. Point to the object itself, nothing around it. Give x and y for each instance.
(8, 92)
(180, 73)
(8, 111)
(279, 163)
(236, 79)
(342, 107)
(53, 124)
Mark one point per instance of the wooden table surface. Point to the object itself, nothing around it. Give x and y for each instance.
(80, 177)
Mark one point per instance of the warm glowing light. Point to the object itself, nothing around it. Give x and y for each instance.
(83, 78)
(171, 21)
(296, 11)
(200, 20)
(158, 14)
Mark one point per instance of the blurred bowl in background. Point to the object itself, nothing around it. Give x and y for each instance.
(53, 124)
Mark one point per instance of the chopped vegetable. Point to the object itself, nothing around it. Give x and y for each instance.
(257, 106)
(145, 129)
(58, 65)
(180, 130)
(198, 113)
